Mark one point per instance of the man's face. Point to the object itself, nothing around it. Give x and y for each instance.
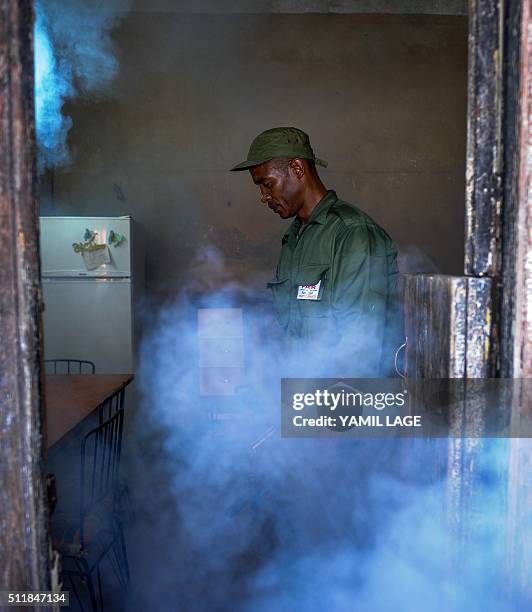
(279, 189)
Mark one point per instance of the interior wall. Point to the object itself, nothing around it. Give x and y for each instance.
(383, 98)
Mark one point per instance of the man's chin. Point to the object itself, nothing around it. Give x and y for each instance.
(284, 214)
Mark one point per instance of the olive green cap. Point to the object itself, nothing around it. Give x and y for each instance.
(279, 142)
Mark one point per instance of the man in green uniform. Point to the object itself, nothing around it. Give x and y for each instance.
(335, 285)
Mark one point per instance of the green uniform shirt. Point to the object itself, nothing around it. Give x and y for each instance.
(349, 326)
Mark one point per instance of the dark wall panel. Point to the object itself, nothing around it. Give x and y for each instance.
(383, 98)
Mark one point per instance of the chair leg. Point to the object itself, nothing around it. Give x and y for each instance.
(123, 550)
(76, 594)
(115, 564)
(120, 552)
(92, 594)
(119, 556)
(99, 576)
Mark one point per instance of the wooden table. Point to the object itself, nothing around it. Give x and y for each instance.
(73, 397)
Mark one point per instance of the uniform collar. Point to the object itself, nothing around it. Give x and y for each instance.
(319, 214)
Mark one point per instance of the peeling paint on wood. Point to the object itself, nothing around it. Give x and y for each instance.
(448, 325)
(23, 533)
(520, 334)
(523, 312)
(484, 138)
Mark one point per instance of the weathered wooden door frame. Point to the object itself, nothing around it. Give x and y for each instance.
(498, 174)
(482, 322)
(519, 188)
(24, 542)
(498, 245)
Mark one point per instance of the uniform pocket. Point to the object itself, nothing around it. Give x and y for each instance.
(309, 276)
(281, 299)
(316, 318)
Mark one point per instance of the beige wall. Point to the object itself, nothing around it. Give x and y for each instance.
(383, 98)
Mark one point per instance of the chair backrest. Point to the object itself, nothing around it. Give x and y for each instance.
(111, 406)
(100, 462)
(69, 366)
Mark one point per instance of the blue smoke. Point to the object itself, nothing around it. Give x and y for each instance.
(53, 83)
(73, 56)
(249, 521)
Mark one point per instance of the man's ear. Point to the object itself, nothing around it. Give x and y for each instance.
(298, 167)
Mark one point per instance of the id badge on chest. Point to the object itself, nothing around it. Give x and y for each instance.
(309, 292)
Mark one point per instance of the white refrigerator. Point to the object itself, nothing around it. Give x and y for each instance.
(88, 301)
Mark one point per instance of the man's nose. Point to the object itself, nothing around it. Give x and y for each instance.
(264, 197)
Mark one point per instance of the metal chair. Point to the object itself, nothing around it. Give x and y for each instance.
(98, 535)
(69, 366)
(111, 406)
(107, 409)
